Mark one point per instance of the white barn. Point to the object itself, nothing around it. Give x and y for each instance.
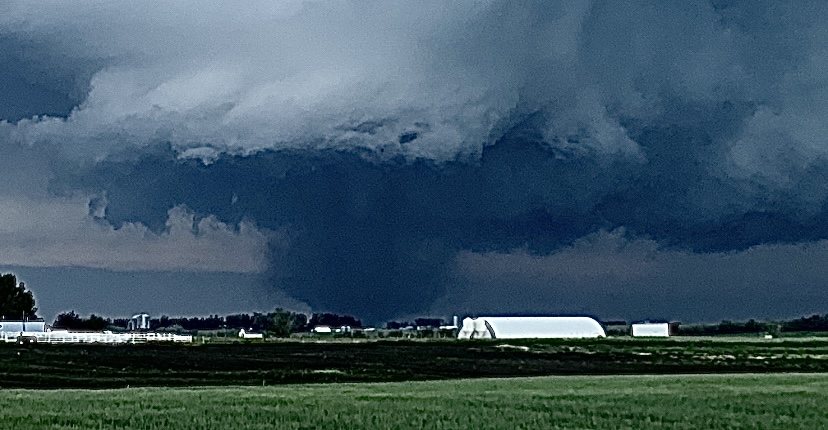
(245, 335)
(530, 327)
(651, 330)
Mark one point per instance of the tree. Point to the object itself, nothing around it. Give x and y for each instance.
(428, 322)
(95, 323)
(334, 320)
(279, 323)
(15, 301)
(68, 320)
(283, 322)
(72, 321)
(299, 323)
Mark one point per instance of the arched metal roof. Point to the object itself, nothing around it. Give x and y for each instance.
(530, 327)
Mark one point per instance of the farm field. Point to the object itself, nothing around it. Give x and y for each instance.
(754, 401)
(293, 362)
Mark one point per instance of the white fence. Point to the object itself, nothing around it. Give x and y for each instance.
(61, 336)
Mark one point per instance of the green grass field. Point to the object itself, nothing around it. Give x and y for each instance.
(750, 401)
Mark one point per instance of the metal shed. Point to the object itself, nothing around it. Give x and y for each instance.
(530, 327)
(651, 330)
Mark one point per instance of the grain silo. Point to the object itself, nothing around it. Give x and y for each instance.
(139, 322)
(530, 327)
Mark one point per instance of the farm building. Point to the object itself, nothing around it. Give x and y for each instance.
(8, 326)
(529, 327)
(139, 321)
(247, 335)
(651, 330)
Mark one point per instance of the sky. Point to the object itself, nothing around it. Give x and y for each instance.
(394, 159)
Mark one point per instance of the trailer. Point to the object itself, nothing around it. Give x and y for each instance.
(64, 336)
(651, 330)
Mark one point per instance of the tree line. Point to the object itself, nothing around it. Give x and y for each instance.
(419, 322)
(729, 327)
(16, 302)
(814, 323)
(280, 322)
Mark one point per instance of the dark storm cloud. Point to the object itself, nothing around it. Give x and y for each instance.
(365, 235)
(381, 238)
(37, 79)
(393, 149)
(615, 277)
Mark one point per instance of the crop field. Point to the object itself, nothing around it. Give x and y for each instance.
(271, 363)
(749, 401)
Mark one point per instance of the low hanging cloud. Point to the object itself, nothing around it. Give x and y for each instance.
(614, 276)
(379, 239)
(61, 232)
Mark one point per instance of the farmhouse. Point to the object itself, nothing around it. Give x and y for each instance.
(247, 335)
(530, 327)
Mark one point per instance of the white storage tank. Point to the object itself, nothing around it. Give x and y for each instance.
(651, 330)
(139, 321)
(530, 327)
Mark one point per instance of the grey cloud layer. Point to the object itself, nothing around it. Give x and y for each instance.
(450, 77)
(385, 141)
(59, 232)
(388, 238)
(611, 276)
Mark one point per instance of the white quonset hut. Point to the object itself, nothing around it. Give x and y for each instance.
(530, 327)
(651, 330)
